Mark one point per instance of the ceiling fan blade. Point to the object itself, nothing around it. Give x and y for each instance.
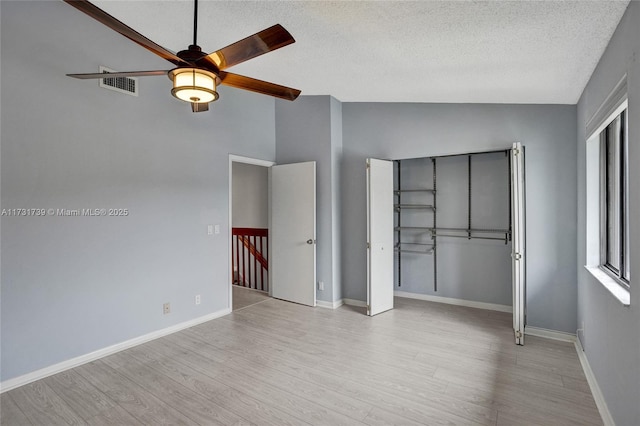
(255, 45)
(258, 86)
(117, 74)
(111, 22)
(199, 107)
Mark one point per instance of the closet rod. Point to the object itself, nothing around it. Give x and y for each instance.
(473, 153)
(496, 231)
(413, 206)
(415, 251)
(425, 228)
(472, 237)
(414, 190)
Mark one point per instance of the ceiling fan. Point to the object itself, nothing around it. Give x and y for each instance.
(197, 74)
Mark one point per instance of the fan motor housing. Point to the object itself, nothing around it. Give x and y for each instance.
(192, 54)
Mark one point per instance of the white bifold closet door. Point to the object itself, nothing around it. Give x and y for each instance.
(379, 236)
(518, 244)
(292, 255)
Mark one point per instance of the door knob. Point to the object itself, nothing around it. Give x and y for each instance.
(310, 241)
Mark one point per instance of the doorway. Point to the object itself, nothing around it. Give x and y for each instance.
(272, 231)
(249, 231)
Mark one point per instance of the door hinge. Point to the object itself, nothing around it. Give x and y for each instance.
(516, 151)
(516, 256)
(368, 245)
(518, 334)
(368, 165)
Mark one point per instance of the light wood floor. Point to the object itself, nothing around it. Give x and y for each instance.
(243, 297)
(277, 363)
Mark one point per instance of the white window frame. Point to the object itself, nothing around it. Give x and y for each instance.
(619, 199)
(609, 110)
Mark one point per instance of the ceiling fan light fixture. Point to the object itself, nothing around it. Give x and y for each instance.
(193, 85)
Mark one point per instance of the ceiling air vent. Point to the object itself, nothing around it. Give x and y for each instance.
(128, 85)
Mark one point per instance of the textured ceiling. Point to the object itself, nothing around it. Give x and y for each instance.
(396, 51)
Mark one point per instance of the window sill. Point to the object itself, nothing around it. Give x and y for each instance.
(619, 292)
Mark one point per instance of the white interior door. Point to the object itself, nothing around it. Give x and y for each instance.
(292, 255)
(379, 236)
(518, 254)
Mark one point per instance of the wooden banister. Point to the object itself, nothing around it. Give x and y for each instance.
(251, 245)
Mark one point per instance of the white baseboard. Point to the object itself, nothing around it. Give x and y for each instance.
(16, 382)
(550, 334)
(354, 302)
(329, 305)
(593, 385)
(452, 301)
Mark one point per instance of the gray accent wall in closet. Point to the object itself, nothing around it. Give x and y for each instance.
(470, 269)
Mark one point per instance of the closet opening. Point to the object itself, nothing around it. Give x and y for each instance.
(458, 231)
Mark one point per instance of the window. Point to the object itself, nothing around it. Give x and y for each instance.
(614, 200)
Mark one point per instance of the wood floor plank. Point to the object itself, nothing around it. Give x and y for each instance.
(345, 356)
(494, 365)
(286, 363)
(416, 412)
(560, 366)
(155, 357)
(326, 397)
(288, 402)
(380, 417)
(10, 413)
(516, 402)
(527, 418)
(83, 398)
(258, 386)
(117, 416)
(374, 373)
(257, 411)
(194, 405)
(42, 406)
(132, 397)
(345, 351)
(518, 385)
(580, 385)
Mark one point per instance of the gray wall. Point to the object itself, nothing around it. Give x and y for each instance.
(477, 270)
(250, 187)
(72, 285)
(396, 131)
(309, 130)
(611, 331)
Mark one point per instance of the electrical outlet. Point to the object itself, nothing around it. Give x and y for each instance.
(209, 229)
(216, 229)
(197, 299)
(166, 308)
(321, 285)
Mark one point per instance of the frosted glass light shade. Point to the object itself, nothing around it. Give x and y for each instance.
(193, 85)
